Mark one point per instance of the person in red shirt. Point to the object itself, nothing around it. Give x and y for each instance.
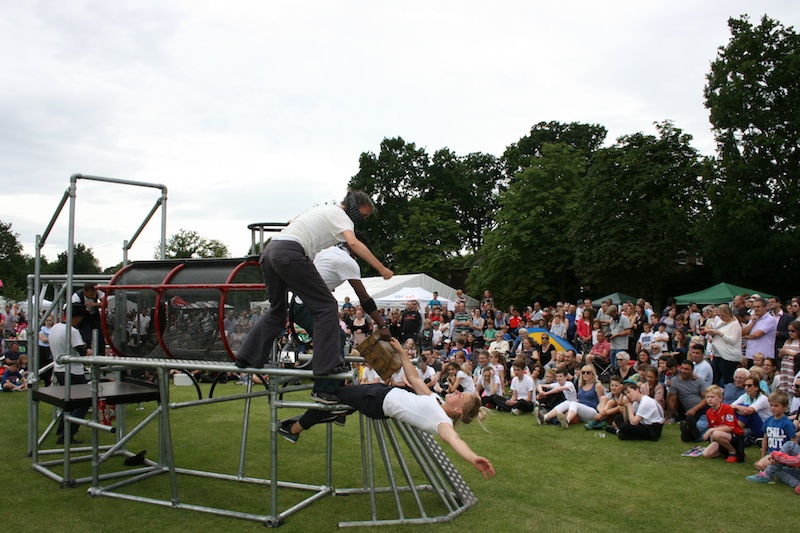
(515, 322)
(724, 434)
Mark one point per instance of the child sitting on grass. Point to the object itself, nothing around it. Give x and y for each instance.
(723, 433)
(778, 430)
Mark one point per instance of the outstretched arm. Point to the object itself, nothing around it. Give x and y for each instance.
(361, 250)
(410, 370)
(450, 436)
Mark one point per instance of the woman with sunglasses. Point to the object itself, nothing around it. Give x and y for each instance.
(590, 390)
(752, 407)
(789, 355)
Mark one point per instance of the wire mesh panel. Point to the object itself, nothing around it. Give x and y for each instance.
(188, 309)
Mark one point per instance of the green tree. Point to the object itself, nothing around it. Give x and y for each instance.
(527, 254)
(584, 137)
(753, 97)
(398, 173)
(422, 247)
(636, 207)
(13, 264)
(84, 262)
(189, 244)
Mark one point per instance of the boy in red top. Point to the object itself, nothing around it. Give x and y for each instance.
(724, 434)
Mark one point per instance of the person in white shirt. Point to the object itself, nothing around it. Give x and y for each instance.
(702, 368)
(521, 400)
(641, 416)
(423, 410)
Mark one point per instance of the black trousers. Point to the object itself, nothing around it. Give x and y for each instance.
(629, 431)
(77, 379)
(285, 266)
(367, 399)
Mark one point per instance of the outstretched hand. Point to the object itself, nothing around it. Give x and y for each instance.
(484, 466)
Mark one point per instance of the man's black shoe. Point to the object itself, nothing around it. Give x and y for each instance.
(324, 397)
(686, 435)
(286, 433)
(137, 459)
(691, 424)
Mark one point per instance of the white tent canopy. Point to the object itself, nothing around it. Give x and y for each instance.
(395, 292)
(399, 298)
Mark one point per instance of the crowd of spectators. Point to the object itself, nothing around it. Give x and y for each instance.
(723, 373)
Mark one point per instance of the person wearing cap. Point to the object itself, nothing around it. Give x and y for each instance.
(65, 341)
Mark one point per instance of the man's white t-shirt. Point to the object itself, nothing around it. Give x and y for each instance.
(58, 345)
(318, 228)
(523, 387)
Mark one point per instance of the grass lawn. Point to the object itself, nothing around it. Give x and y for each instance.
(547, 479)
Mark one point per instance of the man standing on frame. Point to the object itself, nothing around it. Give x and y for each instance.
(287, 265)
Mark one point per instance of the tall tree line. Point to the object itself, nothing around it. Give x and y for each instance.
(559, 215)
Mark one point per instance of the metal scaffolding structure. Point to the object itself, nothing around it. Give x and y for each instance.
(380, 442)
(173, 290)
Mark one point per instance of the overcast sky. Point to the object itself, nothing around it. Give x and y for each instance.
(252, 111)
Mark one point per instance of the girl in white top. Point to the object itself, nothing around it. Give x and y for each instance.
(423, 410)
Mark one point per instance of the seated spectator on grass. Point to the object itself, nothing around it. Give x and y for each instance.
(752, 408)
(785, 467)
(624, 368)
(584, 407)
(723, 434)
(458, 380)
(758, 373)
(12, 353)
(521, 400)
(488, 386)
(642, 418)
(642, 361)
(369, 375)
(732, 391)
(771, 375)
(702, 368)
(680, 346)
(498, 362)
(600, 352)
(537, 375)
(501, 342)
(557, 361)
(549, 394)
(686, 401)
(650, 386)
(426, 372)
(481, 358)
(12, 379)
(571, 365)
(609, 406)
(667, 368)
(545, 350)
(778, 430)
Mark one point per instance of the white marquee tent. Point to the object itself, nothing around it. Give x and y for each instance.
(395, 292)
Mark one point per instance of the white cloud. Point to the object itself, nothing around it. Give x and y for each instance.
(253, 111)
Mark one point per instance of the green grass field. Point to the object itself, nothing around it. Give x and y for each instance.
(547, 479)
